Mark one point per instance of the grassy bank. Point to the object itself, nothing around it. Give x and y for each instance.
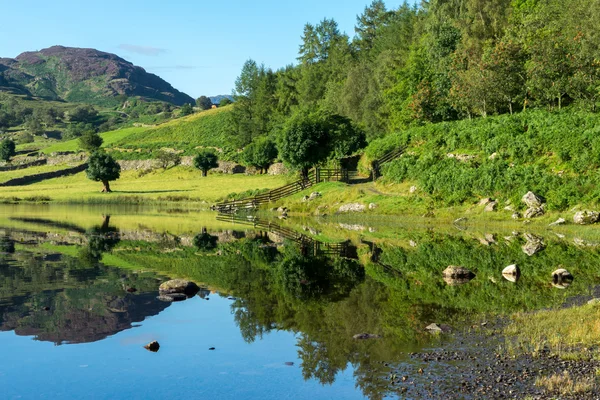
(175, 185)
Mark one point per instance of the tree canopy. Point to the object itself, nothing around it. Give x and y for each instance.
(103, 168)
(204, 103)
(205, 160)
(7, 150)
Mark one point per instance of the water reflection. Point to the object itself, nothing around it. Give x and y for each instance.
(68, 284)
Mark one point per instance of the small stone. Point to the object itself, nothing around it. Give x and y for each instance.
(131, 290)
(211, 348)
(594, 302)
(491, 206)
(305, 199)
(152, 346)
(435, 328)
(412, 243)
(413, 189)
(460, 220)
(533, 212)
(485, 201)
(560, 221)
(352, 207)
(372, 206)
(516, 215)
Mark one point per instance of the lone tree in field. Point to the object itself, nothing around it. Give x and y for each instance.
(206, 160)
(186, 109)
(260, 154)
(7, 150)
(90, 141)
(304, 142)
(204, 103)
(103, 168)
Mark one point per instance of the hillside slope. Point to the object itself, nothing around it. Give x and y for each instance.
(83, 75)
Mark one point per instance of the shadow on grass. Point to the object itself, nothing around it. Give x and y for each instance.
(150, 191)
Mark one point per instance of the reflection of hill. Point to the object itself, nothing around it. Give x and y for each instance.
(56, 299)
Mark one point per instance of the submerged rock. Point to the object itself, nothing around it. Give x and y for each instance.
(534, 244)
(455, 275)
(152, 346)
(179, 286)
(435, 328)
(172, 297)
(586, 217)
(561, 278)
(365, 336)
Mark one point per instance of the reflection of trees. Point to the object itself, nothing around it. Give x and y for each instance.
(101, 239)
(205, 241)
(7, 245)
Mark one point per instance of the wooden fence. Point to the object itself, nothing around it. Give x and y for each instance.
(314, 176)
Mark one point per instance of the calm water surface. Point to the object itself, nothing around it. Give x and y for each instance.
(280, 309)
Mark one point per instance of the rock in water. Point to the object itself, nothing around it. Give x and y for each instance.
(364, 336)
(534, 244)
(586, 217)
(454, 275)
(435, 328)
(152, 346)
(179, 286)
(532, 200)
(172, 297)
(511, 273)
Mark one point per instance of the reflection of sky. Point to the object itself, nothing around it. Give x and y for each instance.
(119, 368)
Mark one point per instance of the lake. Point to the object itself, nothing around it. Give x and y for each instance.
(281, 308)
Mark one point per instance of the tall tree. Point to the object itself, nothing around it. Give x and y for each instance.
(103, 168)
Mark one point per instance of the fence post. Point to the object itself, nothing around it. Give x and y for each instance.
(317, 175)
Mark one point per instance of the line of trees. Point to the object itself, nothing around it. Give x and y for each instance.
(441, 60)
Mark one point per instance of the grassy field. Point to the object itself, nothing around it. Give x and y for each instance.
(109, 139)
(180, 184)
(8, 175)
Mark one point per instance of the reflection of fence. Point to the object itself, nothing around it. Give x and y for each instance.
(314, 176)
(307, 244)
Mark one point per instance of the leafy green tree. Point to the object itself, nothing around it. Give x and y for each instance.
(34, 126)
(186, 109)
(103, 168)
(260, 154)
(304, 142)
(167, 158)
(205, 160)
(204, 103)
(345, 138)
(7, 150)
(84, 114)
(225, 101)
(90, 141)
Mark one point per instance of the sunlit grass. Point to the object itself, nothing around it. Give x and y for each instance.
(180, 184)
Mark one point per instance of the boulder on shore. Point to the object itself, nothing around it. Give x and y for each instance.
(455, 275)
(352, 207)
(179, 286)
(435, 328)
(532, 200)
(533, 212)
(586, 217)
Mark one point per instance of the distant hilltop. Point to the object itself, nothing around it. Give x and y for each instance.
(83, 75)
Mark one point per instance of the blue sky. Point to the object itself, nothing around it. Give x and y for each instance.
(198, 46)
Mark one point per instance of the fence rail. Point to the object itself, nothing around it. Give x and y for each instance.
(386, 158)
(314, 176)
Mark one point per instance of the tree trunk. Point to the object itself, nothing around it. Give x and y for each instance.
(204, 172)
(305, 173)
(106, 188)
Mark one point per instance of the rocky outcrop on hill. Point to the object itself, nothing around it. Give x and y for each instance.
(83, 75)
